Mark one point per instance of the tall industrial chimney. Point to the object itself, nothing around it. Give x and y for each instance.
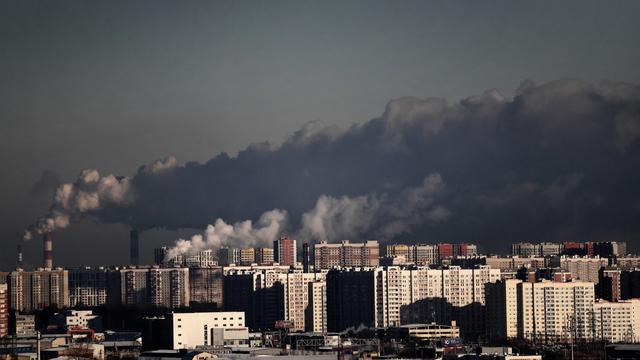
(47, 250)
(134, 254)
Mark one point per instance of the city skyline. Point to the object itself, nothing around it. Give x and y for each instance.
(512, 141)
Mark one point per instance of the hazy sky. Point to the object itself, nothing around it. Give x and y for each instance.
(116, 84)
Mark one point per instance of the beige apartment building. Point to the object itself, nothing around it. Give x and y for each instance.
(555, 311)
(34, 290)
(617, 322)
(346, 254)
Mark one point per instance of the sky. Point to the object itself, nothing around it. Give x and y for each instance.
(116, 85)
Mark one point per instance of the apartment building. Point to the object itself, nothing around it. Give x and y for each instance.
(609, 284)
(35, 290)
(298, 290)
(228, 256)
(628, 262)
(202, 258)
(346, 254)
(419, 254)
(526, 249)
(267, 295)
(581, 267)
(502, 309)
(617, 322)
(247, 256)
(205, 285)
(377, 296)
(316, 313)
(264, 256)
(555, 311)
(515, 262)
(285, 250)
(155, 286)
(88, 287)
(4, 310)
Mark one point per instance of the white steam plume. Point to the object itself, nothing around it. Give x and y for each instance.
(381, 215)
(90, 192)
(240, 234)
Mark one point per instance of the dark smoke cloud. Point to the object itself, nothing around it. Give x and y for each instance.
(559, 161)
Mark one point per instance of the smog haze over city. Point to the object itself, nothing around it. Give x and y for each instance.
(210, 123)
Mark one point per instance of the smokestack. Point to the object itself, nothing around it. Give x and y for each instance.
(134, 249)
(20, 255)
(47, 250)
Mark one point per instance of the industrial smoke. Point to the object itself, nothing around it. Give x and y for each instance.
(556, 161)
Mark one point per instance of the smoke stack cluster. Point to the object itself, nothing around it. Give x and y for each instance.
(134, 250)
(47, 251)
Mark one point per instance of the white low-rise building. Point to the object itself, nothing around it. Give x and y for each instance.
(189, 330)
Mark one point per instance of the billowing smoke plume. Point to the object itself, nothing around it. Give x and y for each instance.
(381, 216)
(559, 161)
(241, 234)
(89, 193)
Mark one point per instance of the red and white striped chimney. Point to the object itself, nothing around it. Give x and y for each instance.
(47, 250)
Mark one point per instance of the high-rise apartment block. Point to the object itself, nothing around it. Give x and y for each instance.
(603, 249)
(164, 287)
(346, 254)
(268, 295)
(285, 250)
(628, 262)
(609, 284)
(4, 310)
(228, 256)
(247, 256)
(515, 262)
(542, 249)
(88, 287)
(502, 309)
(297, 296)
(616, 321)
(552, 311)
(426, 254)
(555, 311)
(316, 312)
(419, 254)
(257, 292)
(264, 256)
(630, 284)
(376, 296)
(205, 285)
(203, 258)
(581, 267)
(606, 248)
(35, 290)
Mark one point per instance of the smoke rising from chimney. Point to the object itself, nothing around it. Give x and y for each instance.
(558, 161)
(241, 234)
